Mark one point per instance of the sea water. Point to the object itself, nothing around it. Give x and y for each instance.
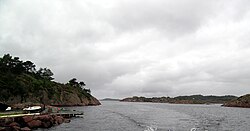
(127, 116)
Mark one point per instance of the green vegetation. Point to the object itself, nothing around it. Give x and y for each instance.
(21, 82)
(200, 99)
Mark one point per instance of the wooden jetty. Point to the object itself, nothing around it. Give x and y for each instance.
(68, 114)
(36, 120)
(63, 113)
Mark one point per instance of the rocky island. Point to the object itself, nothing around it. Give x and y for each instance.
(242, 101)
(193, 99)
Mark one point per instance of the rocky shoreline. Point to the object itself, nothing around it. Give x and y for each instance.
(51, 115)
(243, 101)
(193, 99)
(227, 100)
(28, 123)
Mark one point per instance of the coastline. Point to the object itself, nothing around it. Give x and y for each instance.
(51, 116)
(192, 99)
(31, 121)
(226, 101)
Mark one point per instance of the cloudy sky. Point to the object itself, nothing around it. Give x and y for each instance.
(123, 48)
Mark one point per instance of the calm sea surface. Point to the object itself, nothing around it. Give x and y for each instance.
(124, 116)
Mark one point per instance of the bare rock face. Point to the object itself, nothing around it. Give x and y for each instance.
(72, 99)
(16, 128)
(58, 120)
(91, 101)
(65, 99)
(43, 117)
(47, 120)
(47, 124)
(14, 124)
(27, 119)
(243, 101)
(34, 124)
(94, 101)
(8, 121)
(26, 123)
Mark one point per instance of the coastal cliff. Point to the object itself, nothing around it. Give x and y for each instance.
(242, 101)
(22, 84)
(60, 97)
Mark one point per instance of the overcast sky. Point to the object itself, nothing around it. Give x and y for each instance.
(123, 48)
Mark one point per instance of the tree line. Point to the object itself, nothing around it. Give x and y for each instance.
(9, 64)
(22, 77)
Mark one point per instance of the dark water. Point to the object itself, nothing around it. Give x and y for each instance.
(123, 116)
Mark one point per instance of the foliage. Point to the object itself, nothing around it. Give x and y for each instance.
(206, 99)
(21, 78)
(9, 64)
(80, 85)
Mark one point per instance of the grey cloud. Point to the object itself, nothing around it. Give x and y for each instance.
(173, 18)
(143, 47)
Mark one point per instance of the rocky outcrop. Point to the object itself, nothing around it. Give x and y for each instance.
(74, 100)
(243, 101)
(193, 99)
(66, 98)
(144, 99)
(28, 123)
(92, 101)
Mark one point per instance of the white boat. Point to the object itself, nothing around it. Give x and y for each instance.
(8, 109)
(32, 108)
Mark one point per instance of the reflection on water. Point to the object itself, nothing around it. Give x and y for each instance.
(124, 116)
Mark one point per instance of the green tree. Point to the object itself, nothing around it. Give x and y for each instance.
(82, 84)
(29, 67)
(9, 64)
(5, 63)
(45, 73)
(73, 82)
(87, 90)
(17, 66)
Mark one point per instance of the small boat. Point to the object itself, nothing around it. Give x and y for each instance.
(33, 109)
(8, 109)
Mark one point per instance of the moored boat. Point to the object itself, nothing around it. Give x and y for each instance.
(33, 109)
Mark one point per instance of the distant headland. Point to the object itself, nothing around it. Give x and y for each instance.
(227, 100)
(242, 101)
(192, 99)
(110, 99)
